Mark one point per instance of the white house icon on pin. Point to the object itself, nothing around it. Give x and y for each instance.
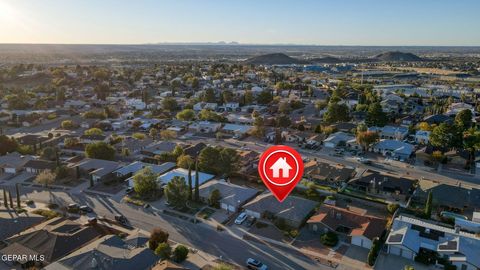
(281, 164)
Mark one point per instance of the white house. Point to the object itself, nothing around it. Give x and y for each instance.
(205, 126)
(135, 103)
(232, 196)
(422, 136)
(393, 148)
(337, 139)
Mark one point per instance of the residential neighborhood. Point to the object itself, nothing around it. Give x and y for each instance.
(149, 156)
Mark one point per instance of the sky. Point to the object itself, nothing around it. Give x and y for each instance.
(312, 22)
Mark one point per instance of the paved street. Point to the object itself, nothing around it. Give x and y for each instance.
(228, 246)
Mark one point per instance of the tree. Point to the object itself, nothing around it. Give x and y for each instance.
(100, 150)
(264, 97)
(169, 104)
(164, 251)
(49, 153)
(167, 135)
(175, 84)
(157, 236)
(464, 119)
(282, 121)
(209, 96)
(197, 184)
(424, 126)
(367, 138)
(176, 192)
(329, 239)
(248, 97)
(208, 159)
(71, 142)
(145, 182)
(180, 253)
(437, 156)
(186, 115)
(228, 161)
(392, 207)
(7, 145)
(190, 187)
(153, 133)
(138, 136)
(214, 198)
(227, 96)
(258, 127)
(471, 143)
(376, 116)
(284, 107)
(5, 199)
(445, 136)
(184, 161)
(428, 205)
(336, 113)
(17, 191)
(67, 124)
(46, 178)
(93, 131)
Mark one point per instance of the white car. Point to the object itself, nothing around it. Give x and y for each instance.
(256, 265)
(241, 218)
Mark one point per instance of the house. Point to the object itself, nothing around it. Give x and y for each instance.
(13, 224)
(390, 132)
(168, 265)
(410, 237)
(384, 185)
(395, 149)
(131, 169)
(238, 131)
(158, 148)
(37, 166)
(205, 127)
(438, 119)
(194, 150)
(422, 136)
(54, 239)
(183, 173)
(337, 139)
(87, 139)
(205, 105)
(358, 228)
(326, 173)
(96, 169)
(293, 210)
(109, 252)
(13, 163)
(232, 196)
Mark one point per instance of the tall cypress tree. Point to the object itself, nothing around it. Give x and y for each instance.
(17, 190)
(197, 192)
(5, 199)
(190, 195)
(11, 199)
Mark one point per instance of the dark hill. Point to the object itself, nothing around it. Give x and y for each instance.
(397, 57)
(274, 59)
(326, 60)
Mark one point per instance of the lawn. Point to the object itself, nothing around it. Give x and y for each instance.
(360, 195)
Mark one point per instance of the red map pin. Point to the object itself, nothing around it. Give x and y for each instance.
(280, 167)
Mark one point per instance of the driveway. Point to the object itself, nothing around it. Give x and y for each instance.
(393, 262)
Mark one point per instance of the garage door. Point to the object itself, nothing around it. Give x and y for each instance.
(395, 250)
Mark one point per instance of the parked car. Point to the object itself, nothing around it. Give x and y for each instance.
(92, 220)
(129, 190)
(86, 209)
(146, 205)
(255, 264)
(72, 206)
(250, 221)
(241, 218)
(121, 219)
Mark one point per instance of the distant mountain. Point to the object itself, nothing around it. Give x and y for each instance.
(397, 57)
(274, 59)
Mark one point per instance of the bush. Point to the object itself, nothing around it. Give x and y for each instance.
(164, 251)
(49, 214)
(329, 239)
(293, 233)
(372, 255)
(180, 253)
(392, 207)
(52, 206)
(157, 237)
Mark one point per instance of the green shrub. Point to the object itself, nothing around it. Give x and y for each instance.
(329, 239)
(164, 251)
(392, 207)
(49, 214)
(180, 253)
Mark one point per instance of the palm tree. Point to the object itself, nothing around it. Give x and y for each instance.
(471, 143)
